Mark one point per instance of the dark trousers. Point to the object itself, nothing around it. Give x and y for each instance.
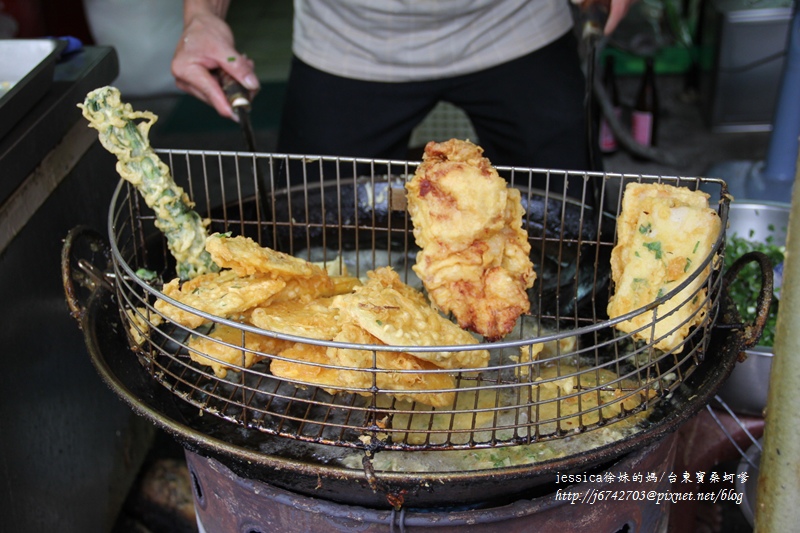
(526, 112)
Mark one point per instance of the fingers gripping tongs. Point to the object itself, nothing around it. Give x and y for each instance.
(239, 99)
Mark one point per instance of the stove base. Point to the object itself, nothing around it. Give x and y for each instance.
(227, 503)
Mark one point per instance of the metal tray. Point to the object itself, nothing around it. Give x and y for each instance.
(26, 74)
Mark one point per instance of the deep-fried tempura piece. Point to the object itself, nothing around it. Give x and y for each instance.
(139, 322)
(303, 279)
(664, 233)
(298, 368)
(398, 315)
(307, 358)
(245, 256)
(217, 346)
(412, 383)
(222, 294)
(315, 319)
(124, 132)
(474, 260)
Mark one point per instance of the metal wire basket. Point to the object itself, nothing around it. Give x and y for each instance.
(587, 374)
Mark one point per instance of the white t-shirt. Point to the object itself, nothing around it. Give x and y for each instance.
(415, 40)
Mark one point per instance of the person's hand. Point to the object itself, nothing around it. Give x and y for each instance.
(207, 44)
(617, 11)
(594, 12)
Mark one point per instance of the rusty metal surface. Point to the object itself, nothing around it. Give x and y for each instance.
(227, 503)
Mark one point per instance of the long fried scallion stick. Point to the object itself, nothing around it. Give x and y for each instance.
(124, 133)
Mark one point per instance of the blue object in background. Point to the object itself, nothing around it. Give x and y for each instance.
(73, 45)
(774, 179)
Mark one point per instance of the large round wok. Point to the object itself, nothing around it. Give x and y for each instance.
(310, 468)
(301, 467)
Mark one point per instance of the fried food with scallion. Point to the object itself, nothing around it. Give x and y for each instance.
(315, 319)
(124, 132)
(223, 294)
(664, 233)
(398, 315)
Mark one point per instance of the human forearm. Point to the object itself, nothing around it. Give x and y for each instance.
(207, 44)
(191, 8)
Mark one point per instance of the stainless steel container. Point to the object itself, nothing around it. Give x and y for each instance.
(746, 43)
(746, 389)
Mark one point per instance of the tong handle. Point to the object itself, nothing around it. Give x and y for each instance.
(238, 96)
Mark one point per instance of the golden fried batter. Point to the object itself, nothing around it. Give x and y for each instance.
(297, 370)
(398, 315)
(407, 385)
(257, 276)
(217, 347)
(664, 233)
(306, 359)
(245, 257)
(474, 260)
(303, 279)
(222, 294)
(315, 319)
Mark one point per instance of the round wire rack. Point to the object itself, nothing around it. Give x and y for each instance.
(564, 369)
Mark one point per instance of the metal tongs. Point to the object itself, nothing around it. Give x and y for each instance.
(239, 99)
(593, 14)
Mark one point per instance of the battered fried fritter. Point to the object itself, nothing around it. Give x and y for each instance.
(398, 315)
(245, 257)
(664, 233)
(408, 385)
(258, 276)
(474, 260)
(315, 319)
(217, 346)
(286, 295)
(222, 294)
(298, 370)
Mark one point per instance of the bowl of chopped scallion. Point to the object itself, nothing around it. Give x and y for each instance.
(754, 227)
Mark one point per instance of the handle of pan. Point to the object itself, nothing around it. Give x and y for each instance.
(752, 332)
(85, 259)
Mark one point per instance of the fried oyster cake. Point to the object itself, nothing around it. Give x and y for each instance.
(474, 259)
(664, 233)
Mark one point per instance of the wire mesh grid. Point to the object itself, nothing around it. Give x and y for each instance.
(564, 369)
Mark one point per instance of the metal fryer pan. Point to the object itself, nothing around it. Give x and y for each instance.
(306, 468)
(300, 467)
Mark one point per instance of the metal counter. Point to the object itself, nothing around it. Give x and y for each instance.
(69, 448)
